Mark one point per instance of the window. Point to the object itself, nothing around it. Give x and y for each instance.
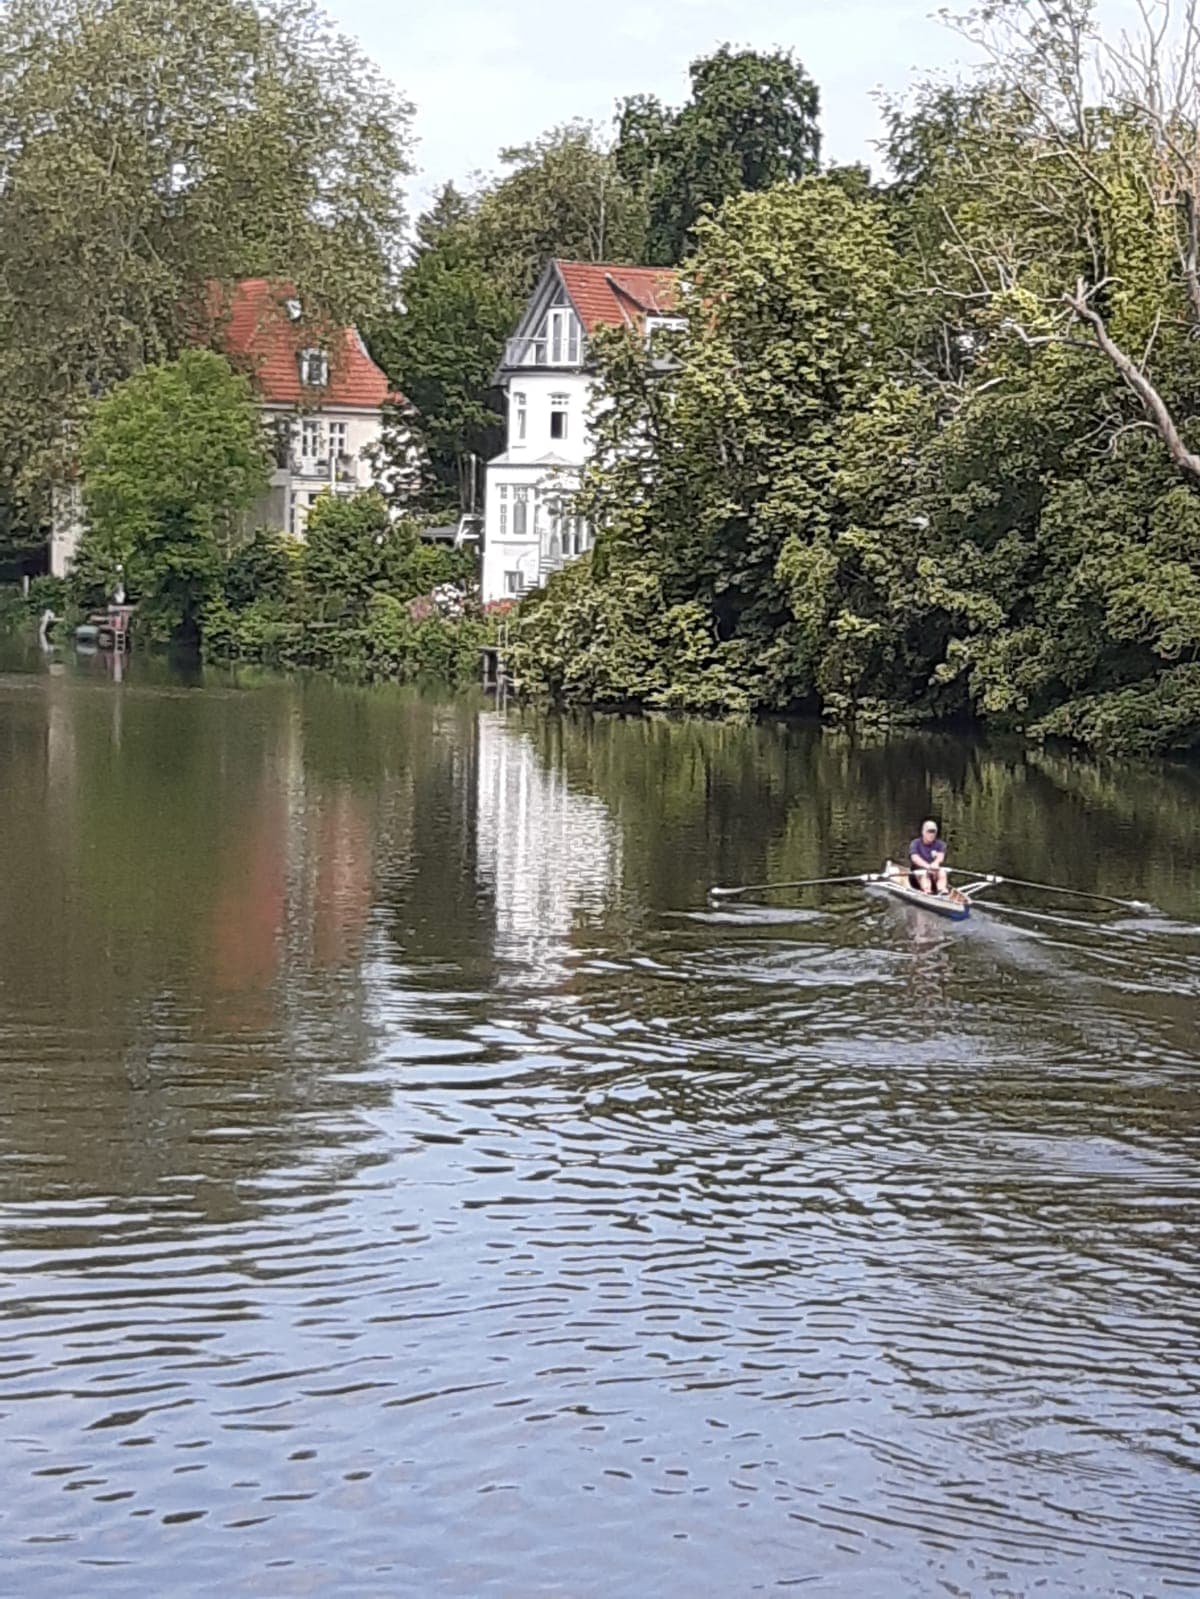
(559, 404)
(503, 510)
(512, 582)
(294, 310)
(521, 513)
(564, 338)
(312, 438)
(280, 434)
(520, 417)
(337, 438)
(314, 369)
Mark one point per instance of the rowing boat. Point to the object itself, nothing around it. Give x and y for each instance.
(955, 904)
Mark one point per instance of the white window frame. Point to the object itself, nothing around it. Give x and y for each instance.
(562, 337)
(512, 582)
(503, 492)
(314, 369)
(338, 440)
(560, 405)
(520, 416)
(312, 439)
(521, 517)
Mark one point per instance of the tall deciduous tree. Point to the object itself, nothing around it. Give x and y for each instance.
(148, 146)
(751, 122)
(562, 195)
(713, 483)
(172, 460)
(476, 260)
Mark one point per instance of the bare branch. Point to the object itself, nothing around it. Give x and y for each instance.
(1155, 406)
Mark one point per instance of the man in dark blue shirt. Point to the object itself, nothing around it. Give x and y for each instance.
(926, 860)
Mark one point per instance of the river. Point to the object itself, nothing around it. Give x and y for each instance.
(409, 1186)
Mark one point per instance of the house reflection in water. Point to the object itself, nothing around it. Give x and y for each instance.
(549, 856)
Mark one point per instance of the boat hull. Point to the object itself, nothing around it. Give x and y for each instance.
(954, 906)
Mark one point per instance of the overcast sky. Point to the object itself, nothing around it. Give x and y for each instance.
(484, 75)
(487, 75)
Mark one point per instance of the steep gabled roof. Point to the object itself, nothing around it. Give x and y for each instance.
(253, 328)
(607, 295)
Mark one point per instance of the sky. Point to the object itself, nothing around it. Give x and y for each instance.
(483, 76)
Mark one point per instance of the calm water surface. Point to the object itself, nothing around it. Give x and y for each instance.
(407, 1185)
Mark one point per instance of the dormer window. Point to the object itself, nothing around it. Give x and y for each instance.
(293, 309)
(664, 324)
(562, 329)
(314, 369)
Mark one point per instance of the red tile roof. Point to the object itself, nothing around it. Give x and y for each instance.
(250, 323)
(616, 296)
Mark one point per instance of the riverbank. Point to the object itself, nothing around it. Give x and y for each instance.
(606, 633)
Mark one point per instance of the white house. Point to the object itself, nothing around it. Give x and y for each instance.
(322, 397)
(323, 403)
(549, 388)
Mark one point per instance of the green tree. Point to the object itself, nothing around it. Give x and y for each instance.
(355, 548)
(476, 261)
(564, 195)
(719, 475)
(150, 146)
(751, 123)
(442, 349)
(172, 460)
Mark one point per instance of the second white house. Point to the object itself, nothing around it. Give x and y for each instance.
(549, 389)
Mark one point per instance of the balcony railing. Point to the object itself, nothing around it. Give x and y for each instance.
(344, 468)
(525, 352)
(539, 352)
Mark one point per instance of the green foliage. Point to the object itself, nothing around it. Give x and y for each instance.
(1160, 714)
(149, 147)
(354, 550)
(48, 593)
(751, 123)
(900, 469)
(563, 195)
(14, 612)
(360, 596)
(443, 349)
(714, 482)
(394, 645)
(477, 259)
(620, 644)
(172, 460)
(265, 568)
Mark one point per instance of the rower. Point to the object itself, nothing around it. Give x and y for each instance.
(927, 861)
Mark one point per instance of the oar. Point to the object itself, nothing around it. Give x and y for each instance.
(804, 882)
(1055, 888)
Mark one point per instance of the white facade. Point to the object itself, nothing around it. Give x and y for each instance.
(331, 449)
(529, 530)
(66, 527)
(328, 450)
(323, 407)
